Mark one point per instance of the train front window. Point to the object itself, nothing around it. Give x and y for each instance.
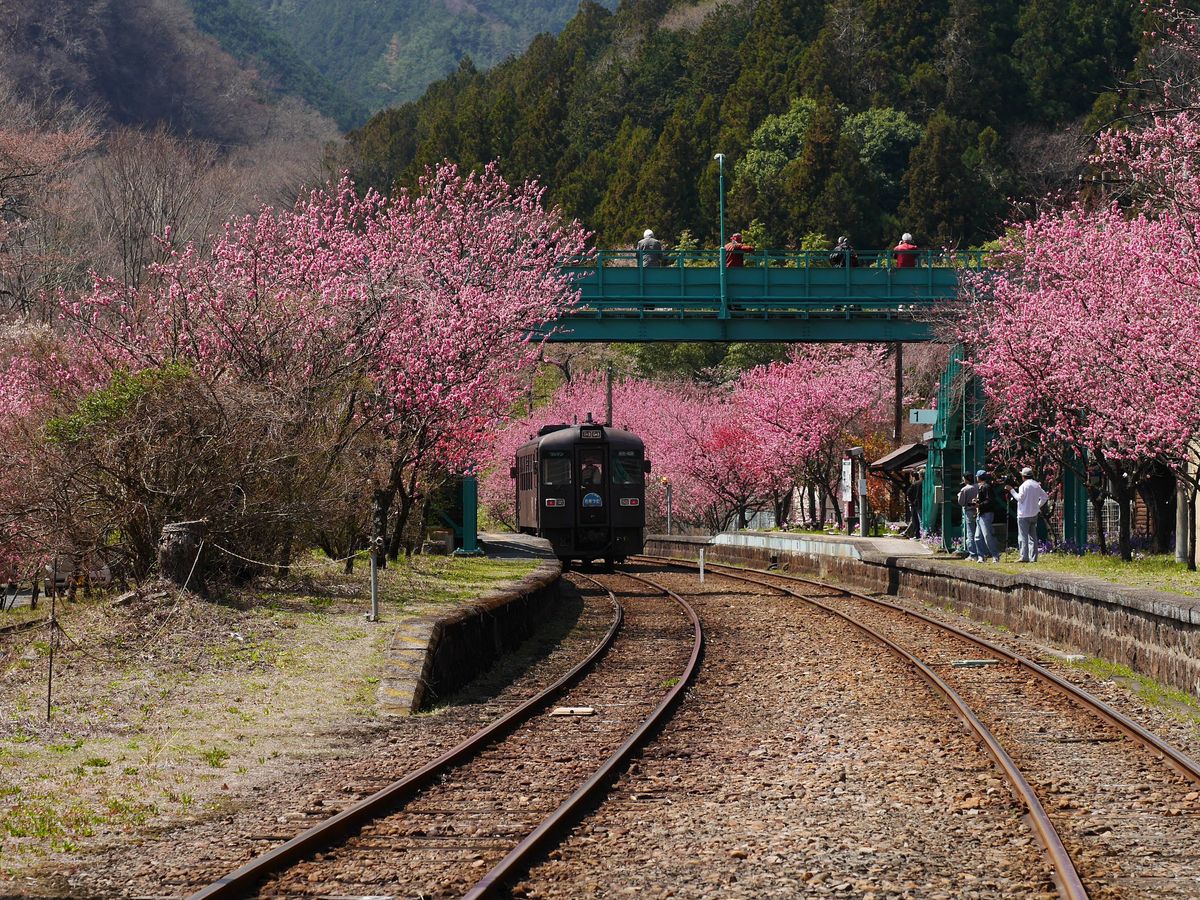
(626, 468)
(556, 471)
(591, 468)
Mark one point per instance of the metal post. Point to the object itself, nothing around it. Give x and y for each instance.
(470, 523)
(863, 511)
(608, 415)
(899, 409)
(668, 486)
(53, 639)
(720, 158)
(376, 548)
(702, 549)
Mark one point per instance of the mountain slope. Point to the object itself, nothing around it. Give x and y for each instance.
(383, 53)
(141, 63)
(245, 34)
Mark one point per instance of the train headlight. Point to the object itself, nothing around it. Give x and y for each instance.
(630, 501)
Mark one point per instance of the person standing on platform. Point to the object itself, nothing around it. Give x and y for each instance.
(1030, 497)
(650, 250)
(906, 252)
(843, 256)
(985, 506)
(966, 500)
(916, 498)
(735, 252)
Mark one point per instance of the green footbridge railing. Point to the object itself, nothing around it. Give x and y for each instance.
(797, 296)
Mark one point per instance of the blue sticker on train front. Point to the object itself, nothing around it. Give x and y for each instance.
(592, 500)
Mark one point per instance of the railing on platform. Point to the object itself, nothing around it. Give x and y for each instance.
(774, 296)
(782, 259)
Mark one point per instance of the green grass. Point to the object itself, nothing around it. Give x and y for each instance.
(1178, 703)
(1158, 572)
(448, 579)
(215, 757)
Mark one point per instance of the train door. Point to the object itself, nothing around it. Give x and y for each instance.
(593, 484)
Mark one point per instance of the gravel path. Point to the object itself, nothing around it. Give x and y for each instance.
(805, 761)
(1131, 824)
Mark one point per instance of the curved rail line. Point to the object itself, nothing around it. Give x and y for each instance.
(520, 856)
(1066, 877)
(333, 830)
(1171, 756)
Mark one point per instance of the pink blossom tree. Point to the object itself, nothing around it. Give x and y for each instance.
(383, 335)
(806, 408)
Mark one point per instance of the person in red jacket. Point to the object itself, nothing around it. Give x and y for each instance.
(906, 252)
(735, 252)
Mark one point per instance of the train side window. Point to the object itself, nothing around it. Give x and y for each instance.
(626, 469)
(556, 471)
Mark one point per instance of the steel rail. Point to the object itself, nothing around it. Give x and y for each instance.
(1172, 756)
(519, 858)
(1067, 878)
(242, 881)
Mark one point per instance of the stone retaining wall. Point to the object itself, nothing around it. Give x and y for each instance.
(432, 656)
(1154, 633)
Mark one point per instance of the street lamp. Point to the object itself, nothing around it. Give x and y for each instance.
(720, 158)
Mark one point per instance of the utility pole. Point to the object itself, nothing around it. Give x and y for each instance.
(899, 409)
(608, 415)
(720, 158)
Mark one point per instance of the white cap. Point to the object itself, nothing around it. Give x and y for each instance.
(648, 233)
(1027, 472)
(906, 237)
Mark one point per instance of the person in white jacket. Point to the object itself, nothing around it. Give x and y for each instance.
(1030, 499)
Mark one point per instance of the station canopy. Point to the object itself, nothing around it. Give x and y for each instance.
(907, 456)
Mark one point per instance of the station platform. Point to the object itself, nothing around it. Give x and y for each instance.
(506, 545)
(853, 546)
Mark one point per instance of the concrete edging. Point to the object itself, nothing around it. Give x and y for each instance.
(433, 655)
(1152, 632)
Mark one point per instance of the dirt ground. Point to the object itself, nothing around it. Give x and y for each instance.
(167, 707)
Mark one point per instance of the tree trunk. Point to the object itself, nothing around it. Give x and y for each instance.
(178, 549)
(1124, 500)
(381, 502)
(402, 514)
(285, 557)
(1097, 499)
(812, 506)
(426, 508)
(1191, 560)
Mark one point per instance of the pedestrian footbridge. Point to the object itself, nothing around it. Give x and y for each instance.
(774, 297)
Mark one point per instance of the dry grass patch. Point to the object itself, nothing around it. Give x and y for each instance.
(168, 709)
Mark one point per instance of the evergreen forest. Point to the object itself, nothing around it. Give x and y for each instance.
(862, 117)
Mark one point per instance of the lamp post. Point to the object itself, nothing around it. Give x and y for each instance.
(720, 158)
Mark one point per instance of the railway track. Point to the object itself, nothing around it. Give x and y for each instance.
(1114, 806)
(470, 820)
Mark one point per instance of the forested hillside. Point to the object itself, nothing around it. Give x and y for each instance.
(243, 31)
(141, 64)
(868, 117)
(384, 53)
